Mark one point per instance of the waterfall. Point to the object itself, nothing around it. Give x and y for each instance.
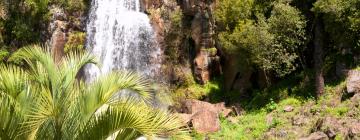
(121, 37)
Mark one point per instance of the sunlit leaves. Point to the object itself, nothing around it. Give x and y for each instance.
(45, 100)
(272, 42)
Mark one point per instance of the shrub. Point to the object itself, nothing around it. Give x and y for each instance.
(76, 42)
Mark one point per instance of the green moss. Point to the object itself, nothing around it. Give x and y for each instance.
(191, 90)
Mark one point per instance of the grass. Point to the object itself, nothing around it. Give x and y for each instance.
(256, 123)
(250, 126)
(265, 109)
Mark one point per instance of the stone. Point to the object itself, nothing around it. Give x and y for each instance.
(186, 118)
(353, 81)
(58, 40)
(238, 110)
(354, 128)
(299, 120)
(201, 69)
(288, 108)
(205, 121)
(193, 106)
(269, 119)
(203, 116)
(356, 99)
(316, 136)
(150, 4)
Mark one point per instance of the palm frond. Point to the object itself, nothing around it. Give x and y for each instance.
(49, 102)
(105, 88)
(42, 112)
(131, 118)
(40, 62)
(12, 80)
(11, 119)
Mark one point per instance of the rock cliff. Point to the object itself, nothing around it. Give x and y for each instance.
(196, 34)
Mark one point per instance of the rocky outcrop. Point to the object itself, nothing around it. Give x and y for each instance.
(199, 27)
(353, 81)
(206, 63)
(63, 23)
(151, 4)
(58, 29)
(58, 40)
(330, 127)
(203, 116)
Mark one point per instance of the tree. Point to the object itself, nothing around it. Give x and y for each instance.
(272, 40)
(319, 55)
(46, 101)
(336, 22)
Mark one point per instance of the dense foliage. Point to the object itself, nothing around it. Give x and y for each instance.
(25, 21)
(45, 100)
(272, 41)
(290, 49)
(280, 36)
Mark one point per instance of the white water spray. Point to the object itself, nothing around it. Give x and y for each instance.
(121, 36)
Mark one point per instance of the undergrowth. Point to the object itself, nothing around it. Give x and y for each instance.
(265, 117)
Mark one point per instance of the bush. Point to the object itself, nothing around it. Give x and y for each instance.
(76, 42)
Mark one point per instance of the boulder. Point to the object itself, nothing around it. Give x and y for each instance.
(192, 106)
(186, 118)
(238, 110)
(203, 116)
(316, 136)
(205, 121)
(300, 120)
(353, 81)
(288, 108)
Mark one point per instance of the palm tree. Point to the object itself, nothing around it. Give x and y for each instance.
(45, 100)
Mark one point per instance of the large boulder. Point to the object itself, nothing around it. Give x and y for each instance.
(203, 116)
(316, 136)
(353, 81)
(193, 106)
(205, 121)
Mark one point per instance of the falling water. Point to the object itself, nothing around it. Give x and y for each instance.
(121, 36)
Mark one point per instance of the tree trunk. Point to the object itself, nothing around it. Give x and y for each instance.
(319, 55)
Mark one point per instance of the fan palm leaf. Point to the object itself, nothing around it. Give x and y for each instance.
(60, 106)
